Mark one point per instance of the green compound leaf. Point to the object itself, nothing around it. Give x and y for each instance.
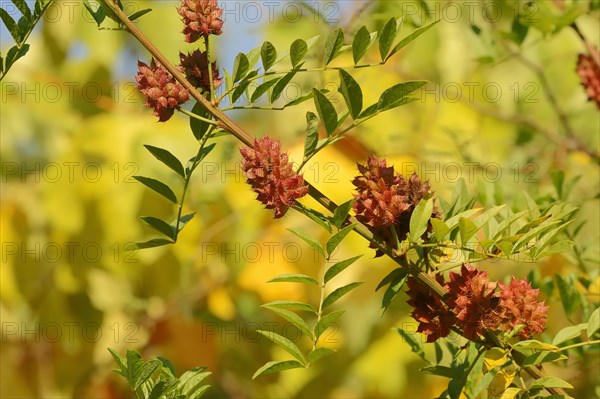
(23, 8)
(159, 225)
(284, 343)
(338, 268)
(167, 158)
(120, 361)
(408, 39)
(341, 212)
(391, 276)
(243, 86)
(593, 323)
(268, 55)
(281, 85)
(145, 371)
(309, 240)
(294, 278)
(352, 94)
(550, 382)
(440, 229)
(326, 111)
(182, 221)
(387, 37)
(325, 322)
(443, 371)
(312, 133)
(319, 218)
(13, 54)
(397, 95)
(190, 382)
(334, 43)
(337, 238)
(543, 357)
(411, 339)
(395, 285)
(291, 317)
(276, 366)
(319, 353)
(467, 230)
(155, 242)
(262, 89)
(240, 66)
(534, 344)
(139, 14)
(361, 43)
(298, 50)
(568, 333)
(292, 305)
(11, 25)
(338, 293)
(198, 127)
(194, 161)
(419, 220)
(158, 187)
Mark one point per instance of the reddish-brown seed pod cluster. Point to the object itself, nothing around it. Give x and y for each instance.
(474, 305)
(589, 73)
(195, 66)
(201, 18)
(270, 174)
(386, 200)
(162, 92)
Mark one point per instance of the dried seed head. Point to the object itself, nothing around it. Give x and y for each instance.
(589, 73)
(473, 299)
(201, 18)
(520, 306)
(435, 320)
(271, 175)
(195, 67)
(162, 92)
(386, 200)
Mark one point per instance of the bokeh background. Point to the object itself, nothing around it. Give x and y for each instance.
(72, 134)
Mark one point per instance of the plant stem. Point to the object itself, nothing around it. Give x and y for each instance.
(188, 178)
(320, 311)
(564, 348)
(193, 115)
(209, 68)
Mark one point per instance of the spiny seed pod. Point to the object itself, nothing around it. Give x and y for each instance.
(474, 301)
(434, 319)
(162, 92)
(520, 306)
(474, 305)
(386, 200)
(271, 176)
(589, 73)
(195, 67)
(201, 18)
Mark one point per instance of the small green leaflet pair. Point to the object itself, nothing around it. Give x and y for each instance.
(20, 30)
(285, 309)
(102, 12)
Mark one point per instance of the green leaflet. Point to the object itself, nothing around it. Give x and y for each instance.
(277, 366)
(284, 343)
(326, 111)
(352, 94)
